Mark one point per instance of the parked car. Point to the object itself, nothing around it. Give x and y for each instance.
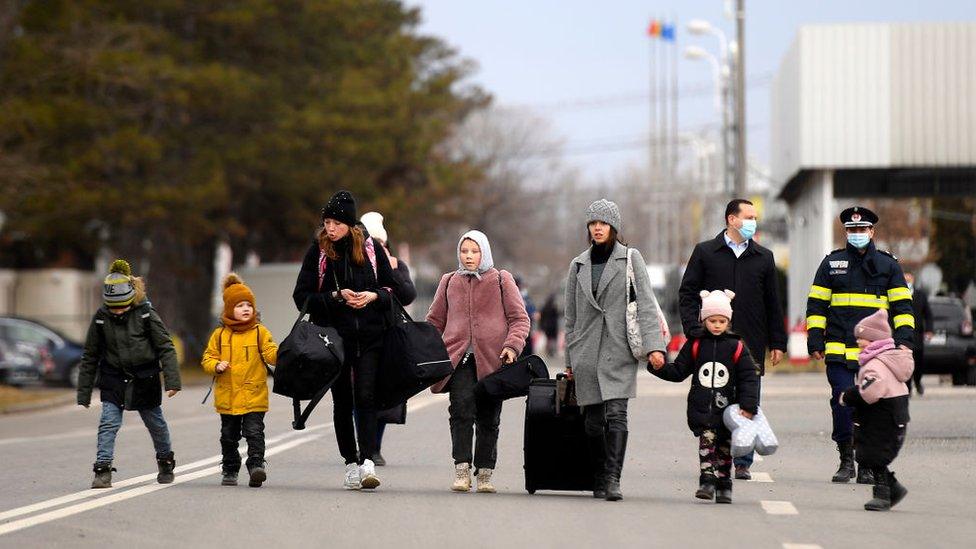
(60, 357)
(19, 366)
(952, 348)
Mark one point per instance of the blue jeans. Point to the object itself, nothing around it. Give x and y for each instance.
(111, 422)
(841, 378)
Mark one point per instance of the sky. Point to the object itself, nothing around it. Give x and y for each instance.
(584, 65)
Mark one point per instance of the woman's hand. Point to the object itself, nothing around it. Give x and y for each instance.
(361, 299)
(656, 358)
(508, 355)
(222, 366)
(746, 414)
(347, 295)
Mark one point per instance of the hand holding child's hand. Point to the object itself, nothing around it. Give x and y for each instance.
(508, 356)
(222, 366)
(656, 359)
(746, 414)
(172, 392)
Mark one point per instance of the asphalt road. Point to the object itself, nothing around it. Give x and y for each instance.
(45, 469)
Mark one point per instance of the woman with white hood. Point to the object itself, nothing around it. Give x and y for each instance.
(481, 316)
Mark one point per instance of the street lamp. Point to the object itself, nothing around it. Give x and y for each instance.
(700, 26)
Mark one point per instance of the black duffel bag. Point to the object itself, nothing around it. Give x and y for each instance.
(414, 358)
(309, 362)
(512, 380)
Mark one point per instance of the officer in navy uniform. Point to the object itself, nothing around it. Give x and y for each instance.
(851, 284)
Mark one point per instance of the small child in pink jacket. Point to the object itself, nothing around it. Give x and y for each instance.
(880, 399)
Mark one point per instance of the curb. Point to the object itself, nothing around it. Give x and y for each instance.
(39, 404)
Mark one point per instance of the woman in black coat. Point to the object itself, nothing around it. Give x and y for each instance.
(347, 279)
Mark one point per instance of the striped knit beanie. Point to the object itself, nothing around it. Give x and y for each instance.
(119, 291)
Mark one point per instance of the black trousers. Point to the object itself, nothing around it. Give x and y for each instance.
(356, 388)
(610, 415)
(251, 426)
(467, 411)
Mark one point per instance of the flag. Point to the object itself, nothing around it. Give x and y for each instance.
(654, 30)
(667, 32)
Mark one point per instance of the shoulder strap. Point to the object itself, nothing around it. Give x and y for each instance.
(447, 286)
(738, 352)
(371, 254)
(502, 292)
(631, 284)
(694, 349)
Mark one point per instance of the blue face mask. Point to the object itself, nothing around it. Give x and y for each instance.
(748, 228)
(858, 240)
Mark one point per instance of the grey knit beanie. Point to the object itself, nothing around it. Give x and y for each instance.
(605, 211)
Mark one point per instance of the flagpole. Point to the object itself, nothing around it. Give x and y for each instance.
(674, 98)
(652, 121)
(662, 105)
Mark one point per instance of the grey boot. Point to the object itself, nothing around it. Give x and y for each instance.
(846, 470)
(898, 490)
(103, 475)
(882, 496)
(166, 463)
(616, 450)
(706, 487)
(598, 452)
(723, 492)
(257, 474)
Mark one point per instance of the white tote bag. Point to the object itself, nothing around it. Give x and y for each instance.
(633, 326)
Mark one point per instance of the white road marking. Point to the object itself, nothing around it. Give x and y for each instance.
(779, 507)
(761, 477)
(801, 546)
(414, 405)
(129, 494)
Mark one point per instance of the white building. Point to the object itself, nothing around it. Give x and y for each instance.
(869, 110)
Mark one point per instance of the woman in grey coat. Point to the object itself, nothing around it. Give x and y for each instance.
(598, 356)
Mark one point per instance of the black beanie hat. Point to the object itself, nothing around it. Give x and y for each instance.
(341, 207)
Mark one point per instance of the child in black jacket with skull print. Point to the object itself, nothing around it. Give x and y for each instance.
(723, 374)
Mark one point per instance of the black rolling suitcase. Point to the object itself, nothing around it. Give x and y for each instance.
(556, 453)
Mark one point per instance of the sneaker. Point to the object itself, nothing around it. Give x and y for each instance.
(353, 480)
(367, 472)
(484, 481)
(462, 478)
(742, 473)
(229, 478)
(257, 476)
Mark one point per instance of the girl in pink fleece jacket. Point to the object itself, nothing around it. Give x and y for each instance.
(480, 314)
(880, 399)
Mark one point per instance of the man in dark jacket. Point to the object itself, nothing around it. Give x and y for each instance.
(923, 330)
(734, 261)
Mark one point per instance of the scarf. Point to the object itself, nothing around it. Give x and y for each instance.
(875, 349)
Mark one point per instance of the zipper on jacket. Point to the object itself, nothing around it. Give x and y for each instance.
(711, 401)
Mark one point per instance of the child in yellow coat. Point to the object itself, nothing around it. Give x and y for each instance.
(236, 356)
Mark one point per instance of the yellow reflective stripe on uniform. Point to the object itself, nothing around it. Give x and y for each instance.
(904, 320)
(835, 348)
(819, 292)
(859, 300)
(816, 321)
(896, 294)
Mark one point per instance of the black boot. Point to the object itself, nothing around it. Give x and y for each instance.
(723, 492)
(257, 474)
(898, 490)
(846, 470)
(616, 450)
(103, 474)
(598, 452)
(228, 478)
(865, 476)
(166, 463)
(882, 496)
(706, 487)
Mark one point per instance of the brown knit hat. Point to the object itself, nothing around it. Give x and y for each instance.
(235, 291)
